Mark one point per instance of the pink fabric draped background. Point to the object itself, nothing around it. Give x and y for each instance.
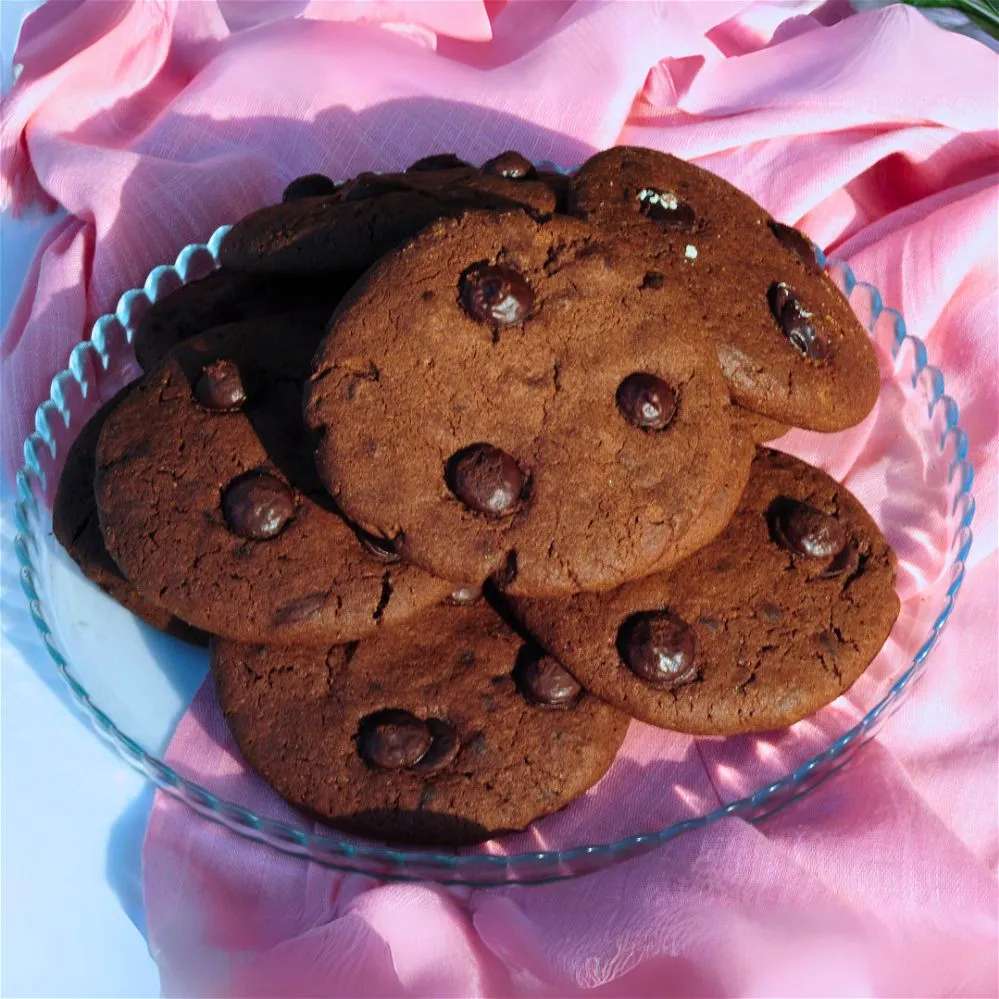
(152, 123)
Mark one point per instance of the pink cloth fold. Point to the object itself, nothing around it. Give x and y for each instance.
(154, 123)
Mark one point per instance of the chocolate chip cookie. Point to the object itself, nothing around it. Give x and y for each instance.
(210, 503)
(225, 297)
(788, 341)
(76, 527)
(368, 216)
(511, 398)
(446, 730)
(775, 618)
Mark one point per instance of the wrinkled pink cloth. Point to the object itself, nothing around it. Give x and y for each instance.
(153, 123)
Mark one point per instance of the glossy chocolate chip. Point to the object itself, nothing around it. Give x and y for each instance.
(545, 682)
(258, 506)
(511, 165)
(393, 740)
(443, 749)
(220, 386)
(805, 530)
(465, 595)
(486, 479)
(312, 185)
(499, 296)
(798, 243)
(439, 161)
(659, 647)
(667, 209)
(379, 548)
(646, 401)
(796, 324)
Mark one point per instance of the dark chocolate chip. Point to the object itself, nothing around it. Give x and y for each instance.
(796, 324)
(805, 530)
(654, 279)
(659, 647)
(379, 548)
(543, 681)
(301, 609)
(371, 185)
(312, 185)
(646, 401)
(220, 386)
(393, 740)
(443, 747)
(499, 296)
(438, 161)
(846, 561)
(798, 243)
(771, 613)
(511, 165)
(258, 506)
(667, 209)
(486, 479)
(464, 595)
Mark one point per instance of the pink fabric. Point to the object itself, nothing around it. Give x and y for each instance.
(153, 123)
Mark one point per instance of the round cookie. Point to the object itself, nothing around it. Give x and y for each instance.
(775, 618)
(446, 730)
(210, 503)
(76, 527)
(788, 341)
(501, 398)
(369, 216)
(225, 297)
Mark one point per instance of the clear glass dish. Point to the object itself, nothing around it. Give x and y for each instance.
(135, 684)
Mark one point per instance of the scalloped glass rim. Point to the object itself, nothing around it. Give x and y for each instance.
(480, 870)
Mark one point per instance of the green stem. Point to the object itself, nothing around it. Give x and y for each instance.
(984, 13)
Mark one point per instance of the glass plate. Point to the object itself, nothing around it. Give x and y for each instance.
(135, 684)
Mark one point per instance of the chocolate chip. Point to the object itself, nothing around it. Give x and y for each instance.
(646, 401)
(499, 296)
(439, 161)
(301, 609)
(443, 749)
(371, 185)
(667, 209)
(771, 613)
(796, 323)
(798, 243)
(654, 279)
(393, 740)
(464, 595)
(659, 647)
(846, 561)
(543, 681)
(379, 548)
(312, 185)
(805, 530)
(219, 386)
(511, 165)
(486, 479)
(258, 506)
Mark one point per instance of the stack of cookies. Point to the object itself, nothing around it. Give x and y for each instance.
(462, 470)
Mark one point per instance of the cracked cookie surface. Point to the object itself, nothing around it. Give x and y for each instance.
(512, 399)
(788, 342)
(437, 731)
(775, 618)
(210, 503)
